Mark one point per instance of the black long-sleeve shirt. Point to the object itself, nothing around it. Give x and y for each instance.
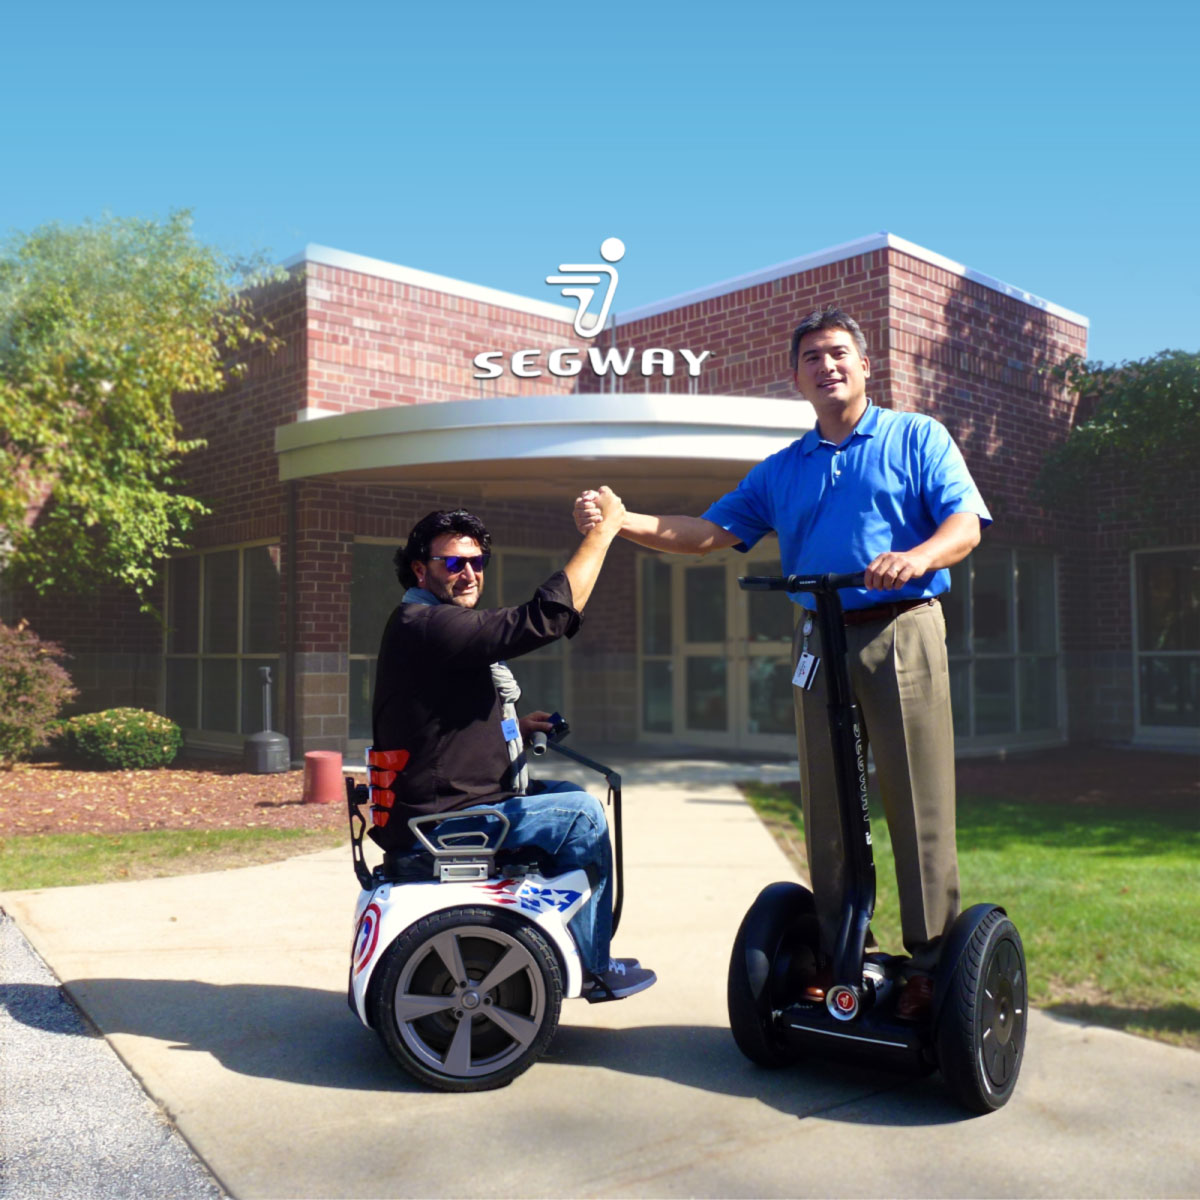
(435, 698)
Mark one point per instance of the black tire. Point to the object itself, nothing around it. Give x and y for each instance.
(773, 955)
(468, 999)
(981, 1025)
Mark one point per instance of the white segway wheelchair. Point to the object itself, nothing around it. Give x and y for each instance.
(462, 956)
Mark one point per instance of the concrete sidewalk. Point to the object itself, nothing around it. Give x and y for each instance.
(225, 994)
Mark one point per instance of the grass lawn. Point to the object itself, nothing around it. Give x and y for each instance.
(58, 860)
(1104, 897)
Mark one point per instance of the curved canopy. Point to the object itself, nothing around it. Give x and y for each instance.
(650, 444)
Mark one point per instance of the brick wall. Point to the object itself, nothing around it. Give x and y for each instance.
(376, 342)
(939, 343)
(748, 330)
(971, 356)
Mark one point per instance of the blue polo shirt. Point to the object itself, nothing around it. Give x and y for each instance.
(888, 486)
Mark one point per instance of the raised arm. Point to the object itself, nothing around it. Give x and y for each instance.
(668, 534)
(584, 567)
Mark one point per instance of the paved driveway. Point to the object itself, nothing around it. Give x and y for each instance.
(224, 993)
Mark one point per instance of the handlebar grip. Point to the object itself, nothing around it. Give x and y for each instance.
(762, 583)
(800, 583)
(852, 579)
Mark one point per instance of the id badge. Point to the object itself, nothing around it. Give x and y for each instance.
(806, 671)
(510, 729)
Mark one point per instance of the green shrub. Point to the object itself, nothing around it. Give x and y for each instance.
(122, 738)
(33, 687)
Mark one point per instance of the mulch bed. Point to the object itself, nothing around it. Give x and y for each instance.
(48, 797)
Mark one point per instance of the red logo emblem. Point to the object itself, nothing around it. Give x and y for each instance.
(845, 1001)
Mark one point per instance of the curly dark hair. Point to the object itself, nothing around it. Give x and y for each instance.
(427, 529)
(829, 317)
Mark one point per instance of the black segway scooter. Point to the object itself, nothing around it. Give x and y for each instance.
(975, 1033)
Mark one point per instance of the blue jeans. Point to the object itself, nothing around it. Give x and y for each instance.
(568, 825)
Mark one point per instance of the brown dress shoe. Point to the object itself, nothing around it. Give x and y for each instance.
(916, 998)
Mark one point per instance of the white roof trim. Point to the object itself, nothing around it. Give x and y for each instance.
(342, 260)
(329, 257)
(821, 258)
(948, 264)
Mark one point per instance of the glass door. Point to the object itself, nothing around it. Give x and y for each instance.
(768, 619)
(715, 662)
(703, 677)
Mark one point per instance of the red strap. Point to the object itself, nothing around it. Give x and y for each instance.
(390, 760)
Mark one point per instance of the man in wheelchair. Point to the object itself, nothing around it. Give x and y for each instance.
(444, 693)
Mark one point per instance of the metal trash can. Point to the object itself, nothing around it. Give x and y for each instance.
(268, 752)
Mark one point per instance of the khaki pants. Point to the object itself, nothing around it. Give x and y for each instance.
(899, 675)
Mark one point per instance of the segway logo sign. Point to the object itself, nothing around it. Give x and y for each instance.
(842, 1003)
(581, 282)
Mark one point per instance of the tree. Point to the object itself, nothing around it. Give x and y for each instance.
(1142, 428)
(100, 326)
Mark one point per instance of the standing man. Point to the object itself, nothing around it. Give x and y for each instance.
(885, 492)
(444, 693)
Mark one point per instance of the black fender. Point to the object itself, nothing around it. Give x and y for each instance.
(954, 947)
(776, 906)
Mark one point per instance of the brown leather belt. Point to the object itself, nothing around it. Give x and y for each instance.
(882, 612)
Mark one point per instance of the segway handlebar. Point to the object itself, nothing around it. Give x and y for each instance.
(800, 583)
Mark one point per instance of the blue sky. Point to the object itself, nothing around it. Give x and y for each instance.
(1053, 146)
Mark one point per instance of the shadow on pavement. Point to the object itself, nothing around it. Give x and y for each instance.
(308, 1036)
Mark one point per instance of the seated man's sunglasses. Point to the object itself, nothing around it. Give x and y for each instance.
(456, 563)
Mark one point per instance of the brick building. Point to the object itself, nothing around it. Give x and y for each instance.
(324, 454)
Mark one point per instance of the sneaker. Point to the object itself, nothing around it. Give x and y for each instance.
(916, 998)
(619, 980)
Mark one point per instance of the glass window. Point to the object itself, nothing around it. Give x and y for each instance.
(771, 616)
(704, 604)
(362, 693)
(541, 681)
(1002, 639)
(1036, 624)
(374, 593)
(522, 574)
(223, 624)
(770, 698)
(658, 696)
(260, 600)
(221, 602)
(182, 692)
(995, 696)
(1039, 693)
(656, 607)
(1169, 601)
(1168, 638)
(183, 600)
(1170, 690)
(991, 601)
(706, 694)
(218, 695)
(954, 606)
